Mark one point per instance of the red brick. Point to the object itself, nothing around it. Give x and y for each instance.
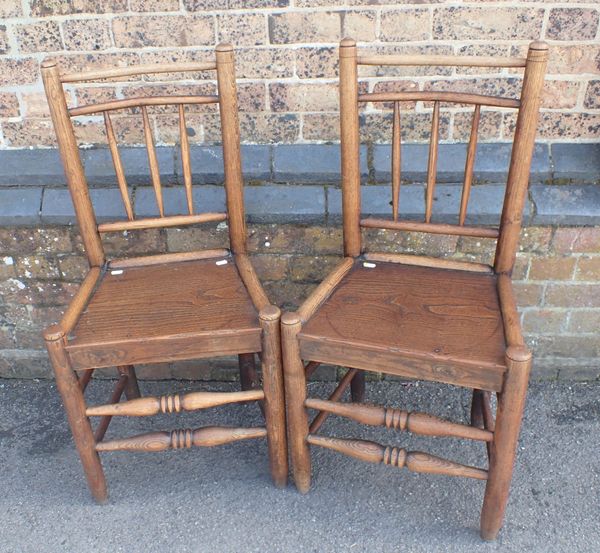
(4, 45)
(572, 24)
(528, 294)
(552, 268)
(316, 63)
(11, 8)
(38, 37)
(463, 23)
(307, 27)
(544, 321)
(86, 34)
(577, 240)
(242, 29)
(592, 95)
(588, 268)
(167, 30)
(585, 321)
(263, 63)
(312, 268)
(9, 104)
(303, 97)
(42, 8)
(360, 25)
(153, 5)
(572, 295)
(321, 127)
(404, 25)
(15, 72)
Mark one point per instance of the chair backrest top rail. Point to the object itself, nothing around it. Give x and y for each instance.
(458, 61)
(440, 96)
(136, 70)
(142, 101)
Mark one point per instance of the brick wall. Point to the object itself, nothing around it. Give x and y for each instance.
(288, 98)
(556, 278)
(286, 59)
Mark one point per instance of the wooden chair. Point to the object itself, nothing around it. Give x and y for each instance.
(167, 307)
(417, 316)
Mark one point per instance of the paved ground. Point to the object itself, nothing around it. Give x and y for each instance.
(221, 499)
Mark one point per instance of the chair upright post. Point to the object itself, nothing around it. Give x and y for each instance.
(69, 154)
(522, 153)
(350, 147)
(230, 129)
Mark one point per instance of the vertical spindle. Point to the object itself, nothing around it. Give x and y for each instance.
(432, 163)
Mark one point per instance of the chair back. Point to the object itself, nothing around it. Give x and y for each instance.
(62, 118)
(527, 107)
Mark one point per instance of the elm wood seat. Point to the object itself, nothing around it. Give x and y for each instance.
(134, 318)
(447, 317)
(159, 308)
(435, 319)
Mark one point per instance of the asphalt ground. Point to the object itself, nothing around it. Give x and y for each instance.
(221, 499)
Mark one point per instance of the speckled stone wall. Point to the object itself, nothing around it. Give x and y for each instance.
(286, 54)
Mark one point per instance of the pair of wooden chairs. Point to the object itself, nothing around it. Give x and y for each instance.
(417, 317)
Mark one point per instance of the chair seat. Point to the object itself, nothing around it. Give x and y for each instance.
(421, 322)
(165, 312)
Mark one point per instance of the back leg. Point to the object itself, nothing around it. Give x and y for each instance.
(357, 387)
(132, 389)
(248, 375)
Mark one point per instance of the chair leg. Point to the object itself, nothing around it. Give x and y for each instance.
(274, 394)
(295, 394)
(248, 376)
(477, 409)
(357, 387)
(132, 390)
(74, 402)
(511, 403)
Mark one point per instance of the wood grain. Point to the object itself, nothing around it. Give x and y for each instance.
(175, 403)
(142, 101)
(520, 161)
(434, 262)
(114, 399)
(162, 222)
(432, 228)
(136, 70)
(74, 403)
(415, 461)
(251, 281)
(325, 288)
(272, 376)
(153, 161)
(118, 165)
(230, 134)
(209, 436)
(432, 161)
(459, 61)
(80, 300)
(439, 96)
(396, 161)
(72, 165)
(295, 396)
(433, 314)
(510, 315)
(322, 415)
(350, 144)
(134, 313)
(469, 164)
(185, 159)
(165, 258)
